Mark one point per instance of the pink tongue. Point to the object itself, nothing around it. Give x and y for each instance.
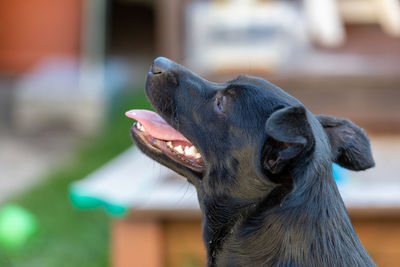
(155, 125)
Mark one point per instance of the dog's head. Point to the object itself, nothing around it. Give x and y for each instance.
(239, 138)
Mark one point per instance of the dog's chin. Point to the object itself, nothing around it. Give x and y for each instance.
(161, 151)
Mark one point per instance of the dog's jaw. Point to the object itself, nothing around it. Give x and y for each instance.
(163, 139)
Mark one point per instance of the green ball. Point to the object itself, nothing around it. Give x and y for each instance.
(16, 226)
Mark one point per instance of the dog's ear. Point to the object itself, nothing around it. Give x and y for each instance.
(289, 134)
(349, 143)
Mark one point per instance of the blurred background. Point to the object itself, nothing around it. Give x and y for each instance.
(69, 69)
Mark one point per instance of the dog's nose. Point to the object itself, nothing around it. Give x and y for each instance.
(160, 65)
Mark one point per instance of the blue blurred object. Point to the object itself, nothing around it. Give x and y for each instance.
(85, 202)
(340, 174)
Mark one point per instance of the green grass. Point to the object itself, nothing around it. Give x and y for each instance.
(67, 236)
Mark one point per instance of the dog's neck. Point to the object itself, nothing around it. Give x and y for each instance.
(307, 226)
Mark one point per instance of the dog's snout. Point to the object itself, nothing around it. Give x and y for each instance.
(160, 65)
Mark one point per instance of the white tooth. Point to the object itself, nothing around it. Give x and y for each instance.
(197, 156)
(179, 149)
(169, 144)
(193, 150)
(187, 151)
(142, 128)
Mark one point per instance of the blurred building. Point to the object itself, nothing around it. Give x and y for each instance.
(40, 51)
(61, 62)
(35, 30)
(68, 56)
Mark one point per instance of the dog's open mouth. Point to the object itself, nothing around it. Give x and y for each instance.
(158, 135)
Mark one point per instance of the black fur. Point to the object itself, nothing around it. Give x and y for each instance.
(267, 192)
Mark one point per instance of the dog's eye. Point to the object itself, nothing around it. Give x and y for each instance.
(219, 103)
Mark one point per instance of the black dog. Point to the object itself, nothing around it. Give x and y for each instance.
(261, 164)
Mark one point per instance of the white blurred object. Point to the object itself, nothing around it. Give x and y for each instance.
(237, 35)
(324, 22)
(357, 11)
(389, 16)
(50, 96)
(384, 12)
(135, 181)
